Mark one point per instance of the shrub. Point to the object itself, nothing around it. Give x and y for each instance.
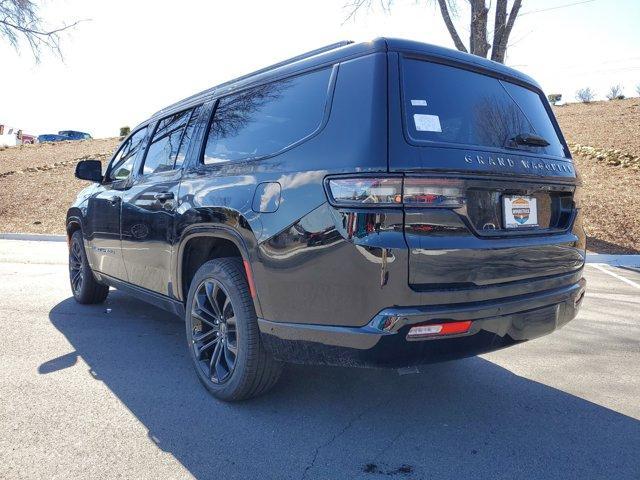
(124, 131)
(638, 89)
(554, 97)
(585, 95)
(615, 93)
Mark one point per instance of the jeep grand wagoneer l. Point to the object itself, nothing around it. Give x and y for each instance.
(387, 203)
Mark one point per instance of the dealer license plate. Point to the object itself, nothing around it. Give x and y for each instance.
(519, 211)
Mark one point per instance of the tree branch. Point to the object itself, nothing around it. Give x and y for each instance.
(356, 5)
(444, 10)
(478, 44)
(499, 26)
(19, 19)
(499, 51)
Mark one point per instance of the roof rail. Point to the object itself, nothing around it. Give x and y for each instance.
(302, 56)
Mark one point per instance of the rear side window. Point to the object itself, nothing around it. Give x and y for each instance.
(452, 105)
(169, 143)
(267, 119)
(122, 163)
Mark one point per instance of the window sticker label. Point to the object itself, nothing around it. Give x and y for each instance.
(419, 103)
(427, 123)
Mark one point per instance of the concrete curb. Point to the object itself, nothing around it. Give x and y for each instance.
(33, 237)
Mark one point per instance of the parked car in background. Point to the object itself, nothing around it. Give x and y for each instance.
(11, 136)
(51, 137)
(27, 139)
(74, 135)
(8, 136)
(64, 135)
(387, 204)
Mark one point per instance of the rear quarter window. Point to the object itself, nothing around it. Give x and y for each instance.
(267, 119)
(445, 104)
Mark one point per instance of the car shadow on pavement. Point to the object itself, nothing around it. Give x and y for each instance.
(468, 418)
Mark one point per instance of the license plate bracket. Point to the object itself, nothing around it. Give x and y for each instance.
(519, 211)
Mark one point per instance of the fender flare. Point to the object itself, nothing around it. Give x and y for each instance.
(74, 219)
(214, 231)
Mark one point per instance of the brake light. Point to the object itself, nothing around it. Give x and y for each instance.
(396, 191)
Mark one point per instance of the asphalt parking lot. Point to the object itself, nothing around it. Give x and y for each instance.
(108, 392)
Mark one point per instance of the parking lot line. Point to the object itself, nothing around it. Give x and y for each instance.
(601, 267)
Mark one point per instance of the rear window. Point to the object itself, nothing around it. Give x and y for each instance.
(450, 105)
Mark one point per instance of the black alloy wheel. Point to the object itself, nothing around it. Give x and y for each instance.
(223, 336)
(76, 270)
(215, 336)
(84, 286)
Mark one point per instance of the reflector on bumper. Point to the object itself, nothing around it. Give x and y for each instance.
(439, 329)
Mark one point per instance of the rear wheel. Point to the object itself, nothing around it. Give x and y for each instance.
(84, 286)
(223, 334)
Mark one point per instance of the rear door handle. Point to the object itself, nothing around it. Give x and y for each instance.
(164, 196)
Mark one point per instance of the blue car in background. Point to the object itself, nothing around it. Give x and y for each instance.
(74, 135)
(64, 135)
(51, 137)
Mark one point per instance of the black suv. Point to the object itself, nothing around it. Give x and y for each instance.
(387, 203)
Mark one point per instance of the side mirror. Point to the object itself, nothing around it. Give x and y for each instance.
(89, 170)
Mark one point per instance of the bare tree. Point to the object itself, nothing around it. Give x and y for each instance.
(615, 92)
(585, 95)
(479, 43)
(20, 21)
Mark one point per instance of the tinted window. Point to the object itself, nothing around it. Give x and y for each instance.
(267, 119)
(187, 137)
(448, 104)
(122, 163)
(165, 144)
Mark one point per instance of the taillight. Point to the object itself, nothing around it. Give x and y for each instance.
(433, 192)
(396, 191)
(378, 191)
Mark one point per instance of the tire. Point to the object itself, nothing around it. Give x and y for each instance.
(85, 288)
(223, 335)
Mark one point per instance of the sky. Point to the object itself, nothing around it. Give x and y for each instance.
(131, 58)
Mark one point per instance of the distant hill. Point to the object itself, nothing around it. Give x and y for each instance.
(609, 124)
(605, 140)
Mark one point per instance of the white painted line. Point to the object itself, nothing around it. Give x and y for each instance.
(600, 267)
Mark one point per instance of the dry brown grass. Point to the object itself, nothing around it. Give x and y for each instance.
(44, 154)
(610, 194)
(609, 124)
(37, 201)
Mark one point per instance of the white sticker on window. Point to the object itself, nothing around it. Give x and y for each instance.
(419, 103)
(427, 123)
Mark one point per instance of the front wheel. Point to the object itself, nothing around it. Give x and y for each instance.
(223, 334)
(84, 286)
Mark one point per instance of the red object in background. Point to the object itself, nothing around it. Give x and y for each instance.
(28, 139)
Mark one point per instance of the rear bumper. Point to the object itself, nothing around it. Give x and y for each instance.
(383, 341)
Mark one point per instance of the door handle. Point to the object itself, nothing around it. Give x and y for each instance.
(164, 196)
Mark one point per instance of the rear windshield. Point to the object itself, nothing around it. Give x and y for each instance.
(452, 105)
